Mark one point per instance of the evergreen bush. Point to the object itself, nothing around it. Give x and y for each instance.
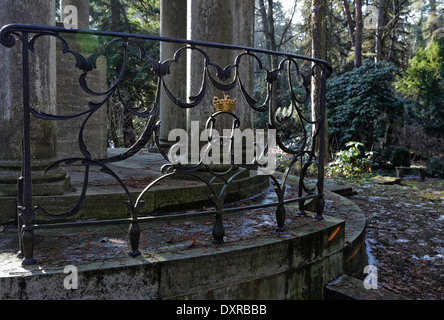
(401, 157)
(361, 104)
(435, 167)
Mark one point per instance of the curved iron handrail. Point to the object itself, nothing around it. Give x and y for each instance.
(28, 36)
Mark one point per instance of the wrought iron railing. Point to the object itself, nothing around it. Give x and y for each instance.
(292, 74)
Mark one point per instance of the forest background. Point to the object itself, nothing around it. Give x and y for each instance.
(387, 89)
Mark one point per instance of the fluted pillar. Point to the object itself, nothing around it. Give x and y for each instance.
(173, 24)
(226, 22)
(42, 87)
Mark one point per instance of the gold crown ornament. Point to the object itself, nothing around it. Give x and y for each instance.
(225, 105)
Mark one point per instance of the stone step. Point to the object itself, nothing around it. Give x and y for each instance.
(344, 191)
(348, 288)
(386, 180)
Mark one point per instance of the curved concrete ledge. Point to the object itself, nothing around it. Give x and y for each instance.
(338, 206)
(263, 267)
(251, 264)
(355, 254)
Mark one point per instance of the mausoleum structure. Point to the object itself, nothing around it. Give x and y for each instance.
(208, 214)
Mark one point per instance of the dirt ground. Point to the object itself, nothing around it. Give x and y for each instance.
(405, 235)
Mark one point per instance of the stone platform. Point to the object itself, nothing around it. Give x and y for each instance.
(179, 261)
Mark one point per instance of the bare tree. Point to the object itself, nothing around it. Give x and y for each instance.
(358, 34)
(127, 123)
(268, 25)
(355, 29)
(318, 51)
(379, 29)
(350, 24)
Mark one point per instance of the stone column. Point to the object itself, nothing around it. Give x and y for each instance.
(173, 24)
(42, 98)
(71, 98)
(226, 22)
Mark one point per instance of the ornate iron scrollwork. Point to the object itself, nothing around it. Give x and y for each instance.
(223, 78)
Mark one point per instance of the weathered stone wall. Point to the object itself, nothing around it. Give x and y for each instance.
(294, 267)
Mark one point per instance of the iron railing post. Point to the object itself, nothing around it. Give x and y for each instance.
(26, 211)
(320, 204)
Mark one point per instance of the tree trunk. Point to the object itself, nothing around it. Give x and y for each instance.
(349, 20)
(396, 17)
(127, 123)
(268, 25)
(115, 15)
(379, 32)
(318, 51)
(129, 137)
(270, 22)
(318, 29)
(113, 122)
(263, 13)
(358, 34)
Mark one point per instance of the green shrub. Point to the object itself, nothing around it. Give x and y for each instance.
(435, 167)
(401, 157)
(423, 86)
(283, 161)
(351, 162)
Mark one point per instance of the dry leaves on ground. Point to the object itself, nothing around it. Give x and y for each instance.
(405, 235)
